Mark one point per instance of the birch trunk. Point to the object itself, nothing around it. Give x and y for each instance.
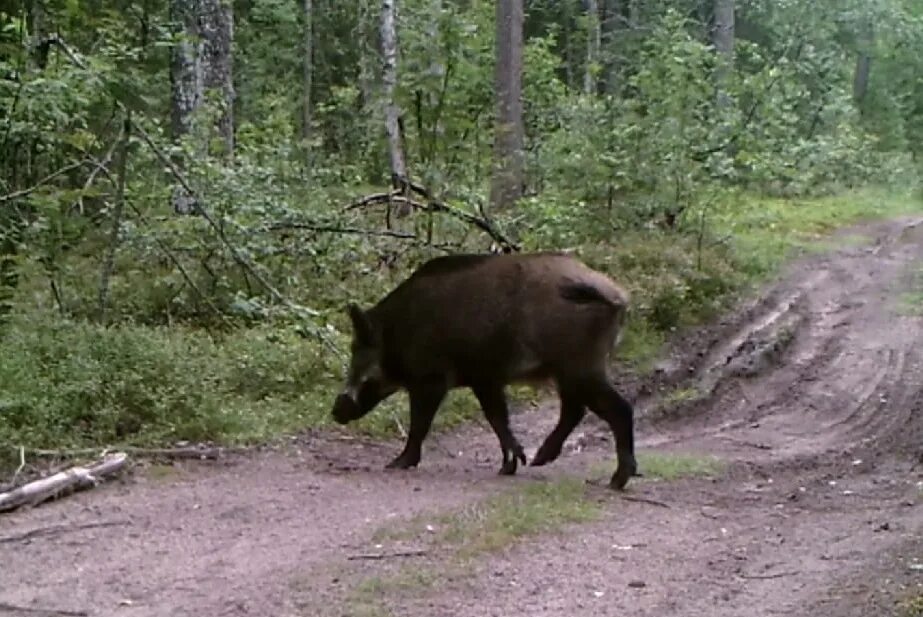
(506, 186)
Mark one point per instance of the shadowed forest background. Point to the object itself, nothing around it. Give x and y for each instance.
(191, 192)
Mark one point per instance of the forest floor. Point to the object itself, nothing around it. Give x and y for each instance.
(782, 449)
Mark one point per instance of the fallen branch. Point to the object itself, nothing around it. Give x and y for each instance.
(74, 478)
(769, 576)
(652, 502)
(57, 529)
(432, 204)
(27, 191)
(378, 556)
(13, 608)
(384, 198)
(743, 442)
(342, 230)
(210, 453)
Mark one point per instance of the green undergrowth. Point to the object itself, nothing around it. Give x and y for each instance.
(69, 383)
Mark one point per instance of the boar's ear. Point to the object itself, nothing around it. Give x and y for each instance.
(362, 328)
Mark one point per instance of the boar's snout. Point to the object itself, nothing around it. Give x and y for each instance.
(345, 409)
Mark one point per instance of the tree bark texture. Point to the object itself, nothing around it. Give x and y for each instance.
(723, 40)
(612, 25)
(389, 51)
(863, 63)
(307, 111)
(201, 70)
(506, 186)
(202, 66)
(593, 44)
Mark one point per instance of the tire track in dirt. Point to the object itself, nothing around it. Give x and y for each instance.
(261, 534)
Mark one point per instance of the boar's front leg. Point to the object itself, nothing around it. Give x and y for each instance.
(425, 398)
(493, 402)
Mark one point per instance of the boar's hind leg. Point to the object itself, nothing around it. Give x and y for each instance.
(425, 399)
(572, 412)
(493, 402)
(609, 405)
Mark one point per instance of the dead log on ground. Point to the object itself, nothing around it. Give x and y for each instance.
(74, 478)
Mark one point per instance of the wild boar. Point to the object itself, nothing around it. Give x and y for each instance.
(484, 322)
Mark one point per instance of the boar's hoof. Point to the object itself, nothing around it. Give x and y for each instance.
(545, 455)
(403, 461)
(510, 464)
(622, 475)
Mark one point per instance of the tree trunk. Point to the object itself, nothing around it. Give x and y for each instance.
(307, 114)
(723, 40)
(217, 30)
(201, 70)
(506, 186)
(108, 266)
(612, 25)
(861, 76)
(389, 79)
(185, 82)
(367, 32)
(38, 41)
(593, 43)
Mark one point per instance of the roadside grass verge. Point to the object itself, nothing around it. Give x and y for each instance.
(457, 538)
(454, 541)
(68, 383)
(911, 607)
(667, 466)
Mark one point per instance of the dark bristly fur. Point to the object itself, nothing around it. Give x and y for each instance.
(486, 321)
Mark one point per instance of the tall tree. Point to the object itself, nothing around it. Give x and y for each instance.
(612, 24)
(723, 40)
(307, 110)
(866, 41)
(201, 71)
(389, 50)
(509, 132)
(593, 44)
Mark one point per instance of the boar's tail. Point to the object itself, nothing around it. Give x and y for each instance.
(584, 293)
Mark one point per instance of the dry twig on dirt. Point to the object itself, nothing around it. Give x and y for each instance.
(13, 608)
(762, 577)
(57, 529)
(74, 478)
(379, 556)
(652, 502)
(186, 452)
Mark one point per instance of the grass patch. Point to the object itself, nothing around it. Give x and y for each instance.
(658, 466)
(910, 297)
(678, 396)
(500, 520)
(490, 525)
(911, 607)
(765, 232)
(911, 303)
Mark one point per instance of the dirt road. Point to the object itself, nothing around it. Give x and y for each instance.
(811, 395)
